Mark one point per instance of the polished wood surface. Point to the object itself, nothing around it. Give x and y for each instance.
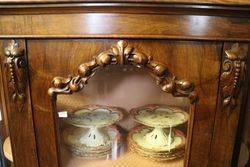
(20, 122)
(221, 2)
(129, 8)
(191, 60)
(104, 25)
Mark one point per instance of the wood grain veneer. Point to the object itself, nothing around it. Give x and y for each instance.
(101, 25)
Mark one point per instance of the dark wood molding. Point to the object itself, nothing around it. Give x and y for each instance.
(129, 8)
(111, 25)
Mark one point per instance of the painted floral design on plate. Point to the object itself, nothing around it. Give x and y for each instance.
(95, 116)
(160, 116)
(139, 138)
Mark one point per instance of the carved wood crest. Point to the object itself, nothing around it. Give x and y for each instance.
(16, 67)
(233, 73)
(124, 54)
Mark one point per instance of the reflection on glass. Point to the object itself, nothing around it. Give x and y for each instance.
(122, 119)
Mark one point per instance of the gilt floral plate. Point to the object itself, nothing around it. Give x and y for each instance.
(137, 138)
(154, 157)
(72, 138)
(138, 144)
(159, 116)
(95, 116)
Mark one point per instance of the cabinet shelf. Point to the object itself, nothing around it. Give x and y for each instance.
(128, 159)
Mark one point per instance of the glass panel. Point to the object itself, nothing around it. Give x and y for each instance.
(122, 119)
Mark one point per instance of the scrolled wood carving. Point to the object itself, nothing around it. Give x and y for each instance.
(123, 54)
(233, 73)
(16, 64)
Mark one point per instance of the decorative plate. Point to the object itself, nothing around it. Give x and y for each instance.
(95, 116)
(159, 116)
(137, 137)
(155, 157)
(138, 144)
(73, 140)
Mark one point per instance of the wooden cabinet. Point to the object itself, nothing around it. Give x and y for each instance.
(197, 53)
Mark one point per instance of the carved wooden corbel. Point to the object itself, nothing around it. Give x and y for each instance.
(233, 73)
(124, 54)
(16, 64)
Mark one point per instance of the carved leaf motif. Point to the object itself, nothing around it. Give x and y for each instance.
(17, 72)
(233, 73)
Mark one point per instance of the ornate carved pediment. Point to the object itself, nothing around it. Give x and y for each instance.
(124, 54)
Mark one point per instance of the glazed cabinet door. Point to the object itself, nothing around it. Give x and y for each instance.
(126, 103)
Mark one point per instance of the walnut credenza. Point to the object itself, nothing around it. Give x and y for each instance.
(205, 42)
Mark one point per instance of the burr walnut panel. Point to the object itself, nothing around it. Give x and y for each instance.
(186, 59)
